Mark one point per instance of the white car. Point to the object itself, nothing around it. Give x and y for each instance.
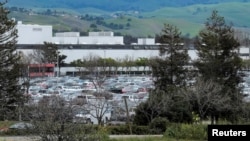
(21, 125)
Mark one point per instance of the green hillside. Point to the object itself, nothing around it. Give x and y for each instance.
(233, 12)
(113, 5)
(188, 19)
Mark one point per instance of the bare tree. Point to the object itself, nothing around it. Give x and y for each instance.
(207, 98)
(25, 60)
(100, 109)
(90, 63)
(128, 62)
(51, 119)
(117, 65)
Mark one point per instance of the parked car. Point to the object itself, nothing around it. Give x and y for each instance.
(21, 126)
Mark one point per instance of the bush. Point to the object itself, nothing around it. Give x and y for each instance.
(159, 125)
(17, 132)
(141, 130)
(118, 130)
(187, 131)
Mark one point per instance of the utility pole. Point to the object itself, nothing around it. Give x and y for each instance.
(57, 58)
(128, 118)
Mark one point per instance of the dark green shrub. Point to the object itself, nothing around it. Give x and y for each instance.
(17, 132)
(118, 130)
(158, 125)
(140, 130)
(187, 131)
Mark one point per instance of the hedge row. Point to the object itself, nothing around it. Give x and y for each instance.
(186, 131)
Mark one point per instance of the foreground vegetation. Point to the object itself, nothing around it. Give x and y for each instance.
(181, 132)
(152, 139)
(122, 139)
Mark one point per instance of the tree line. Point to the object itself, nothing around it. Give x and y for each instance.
(215, 94)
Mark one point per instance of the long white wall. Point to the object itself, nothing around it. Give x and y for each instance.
(75, 54)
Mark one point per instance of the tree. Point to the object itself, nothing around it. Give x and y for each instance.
(10, 94)
(146, 111)
(218, 58)
(173, 105)
(25, 60)
(93, 26)
(142, 62)
(90, 61)
(110, 62)
(128, 39)
(246, 65)
(52, 120)
(100, 109)
(46, 53)
(60, 62)
(169, 69)
(170, 73)
(79, 65)
(128, 63)
(205, 98)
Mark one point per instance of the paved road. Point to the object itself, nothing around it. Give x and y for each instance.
(22, 138)
(17, 138)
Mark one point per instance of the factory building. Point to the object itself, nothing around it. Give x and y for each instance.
(102, 43)
(101, 38)
(146, 41)
(33, 34)
(66, 38)
(38, 34)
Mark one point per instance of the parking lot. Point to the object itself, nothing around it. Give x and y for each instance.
(86, 92)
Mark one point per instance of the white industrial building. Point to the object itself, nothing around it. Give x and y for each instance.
(66, 38)
(38, 34)
(33, 34)
(101, 38)
(146, 41)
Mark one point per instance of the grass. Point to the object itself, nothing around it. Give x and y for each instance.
(122, 139)
(5, 124)
(150, 139)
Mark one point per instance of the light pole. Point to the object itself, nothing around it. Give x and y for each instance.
(104, 62)
(57, 58)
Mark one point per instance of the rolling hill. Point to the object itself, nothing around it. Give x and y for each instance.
(187, 16)
(113, 5)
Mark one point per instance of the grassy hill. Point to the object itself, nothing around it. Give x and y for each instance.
(188, 19)
(233, 12)
(113, 5)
